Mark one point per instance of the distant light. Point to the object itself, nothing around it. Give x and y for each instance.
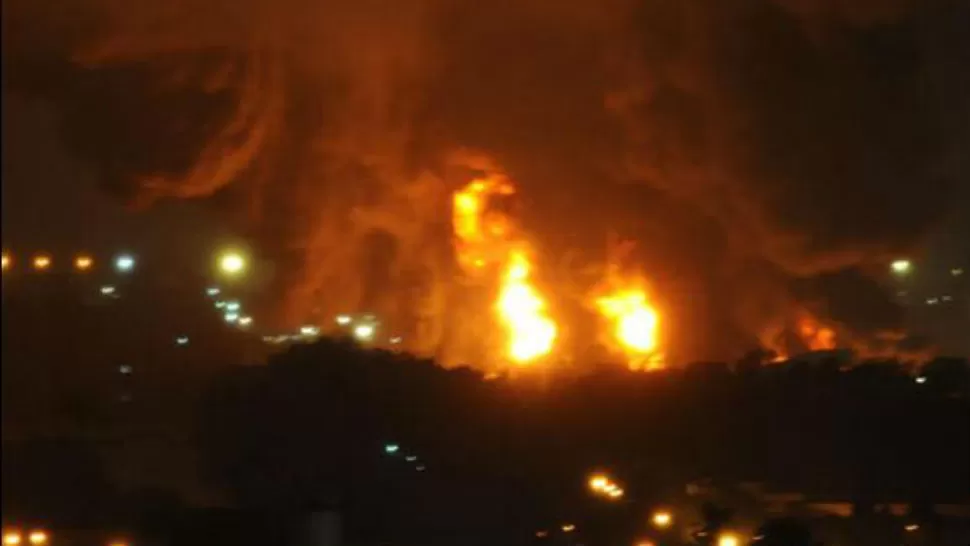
(344, 320)
(231, 317)
(598, 482)
(37, 537)
(615, 493)
(232, 306)
(542, 534)
(646, 543)
(921, 379)
(901, 267)
(956, 271)
(947, 298)
(391, 449)
(118, 543)
(932, 301)
(11, 538)
(83, 262)
(220, 304)
(125, 263)
(232, 263)
(364, 332)
(419, 468)
(662, 519)
(182, 340)
(728, 539)
(42, 262)
(212, 291)
(309, 330)
(107, 290)
(6, 261)
(125, 369)
(911, 528)
(396, 340)
(411, 458)
(568, 528)
(245, 321)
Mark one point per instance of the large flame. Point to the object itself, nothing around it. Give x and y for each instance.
(531, 331)
(486, 243)
(634, 322)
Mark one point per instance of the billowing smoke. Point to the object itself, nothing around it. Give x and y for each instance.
(752, 148)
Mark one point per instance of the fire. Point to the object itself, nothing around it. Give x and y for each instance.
(814, 335)
(634, 321)
(531, 332)
(485, 241)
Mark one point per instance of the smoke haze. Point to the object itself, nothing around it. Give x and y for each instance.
(765, 155)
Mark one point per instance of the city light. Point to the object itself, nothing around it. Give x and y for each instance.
(568, 528)
(601, 484)
(245, 322)
(6, 261)
(37, 538)
(646, 543)
(182, 340)
(662, 519)
(83, 262)
(309, 331)
(921, 379)
(231, 317)
(391, 449)
(411, 458)
(728, 539)
(232, 263)
(542, 534)
(901, 267)
(396, 340)
(344, 320)
(956, 271)
(212, 291)
(42, 262)
(911, 528)
(364, 332)
(11, 538)
(598, 482)
(232, 306)
(125, 263)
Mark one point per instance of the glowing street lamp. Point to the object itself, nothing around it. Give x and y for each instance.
(7, 260)
(42, 262)
(728, 539)
(901, 267)
(662, 519)
(37, 538)
(11, 538)
(232, 263)
(364, 332)
(83, 262)
(125, 263)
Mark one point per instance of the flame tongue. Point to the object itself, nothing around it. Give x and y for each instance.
(634, 321)
(486, 238)
(531, 332)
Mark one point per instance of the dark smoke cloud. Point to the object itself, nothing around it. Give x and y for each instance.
(744, 144)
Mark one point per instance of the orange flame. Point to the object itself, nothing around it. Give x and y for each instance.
(485, 239)
(531, 332)
(635, 323)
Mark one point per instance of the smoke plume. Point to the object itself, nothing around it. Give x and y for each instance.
(750, 147)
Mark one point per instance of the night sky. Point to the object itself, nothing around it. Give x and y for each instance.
(754, 150)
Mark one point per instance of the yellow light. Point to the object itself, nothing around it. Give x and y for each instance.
(598, 482)
(83, 263)
(615, 493)
(645, 543)
(42, 262)
(531, 332)
(568, 528)
(728, 539)
(232, 263)
(37, 537)
(901, 267)
(912, 527)
(6, 261)
(11, 538)
(542, 534)
(364, 332)
(118, 543)
(662, 519)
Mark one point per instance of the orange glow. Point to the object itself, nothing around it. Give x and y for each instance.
(37, 538)
(487, 246)
(6, 261)
(42, 262)
(662, 519)
(814, 335)
(634, 321)
(531, 332)
(83, 262)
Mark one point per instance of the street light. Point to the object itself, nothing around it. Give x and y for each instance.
(83, 262)
(6, 261)
(662, 519)
(728, 539)
(37, 538)
(42, 262)
(124, 263)
(901, 267)
(232, 263)
(11, 538)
